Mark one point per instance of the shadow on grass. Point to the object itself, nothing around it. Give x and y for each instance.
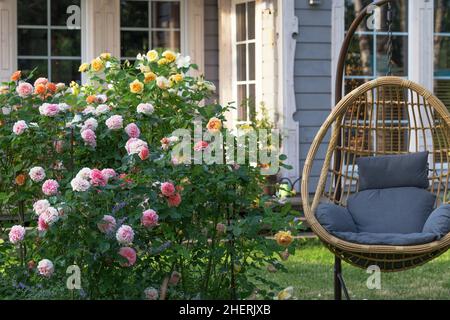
(310, 271)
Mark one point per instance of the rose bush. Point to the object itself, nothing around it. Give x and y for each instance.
(88, 171)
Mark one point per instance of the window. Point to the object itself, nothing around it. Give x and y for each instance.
(147, 24)
(244, 42)
(45, 42)
(442, 50)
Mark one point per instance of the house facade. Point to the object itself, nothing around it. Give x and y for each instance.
(278, 53)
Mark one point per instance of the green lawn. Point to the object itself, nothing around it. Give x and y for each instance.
(310, 272)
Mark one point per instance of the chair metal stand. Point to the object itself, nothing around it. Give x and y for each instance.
(339, 283)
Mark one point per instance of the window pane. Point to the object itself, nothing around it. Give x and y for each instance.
(399, 55)
(353, 7)
(166, 39)
(251, 61)
(134, 14)
(241, 62)
(32, 42)
(59, 11)
(133, 42)
(360, 56)
(251, 19)
(399, 16)
(65, 71)
(442, 56)
(165, 14)
(32, 12)
(441, 16)
(66, 43)
(27, 65)
(252, 102)
(240, 22)
(242, 103)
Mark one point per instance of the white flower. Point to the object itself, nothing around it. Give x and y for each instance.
(41, 206)
(151, 294)
(162, 82)
(80, 185)
(88, 110)
(174, 139)
(84, 173)
(63, 107)
(210, 86)
(114, 123)
(90, 123)
(101, 109)
(145, 108)
(6, 110)
(37, 174)
(45, 268)
(101, 98)
(140, 57)
(183, 61)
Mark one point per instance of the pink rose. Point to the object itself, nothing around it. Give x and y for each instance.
(201, 145)
(50, 187)
(90, 123)
(167, 189)
(149, 218)
(41, 206)
(19, 127)
(174, 200)
(145, 108)
(107, 224)
(37, 174)
(50, 216)
(42, 225)
(49, 109)
(144, 153)
(129, 254)
(132, 130)
(135, 146)
(89, 137)
(125, 235)
(16, 234)
(45, 268)
(114, 123)
(24, 89)
(151, 294)
(109, 173)
(39, 81)
(97, 178)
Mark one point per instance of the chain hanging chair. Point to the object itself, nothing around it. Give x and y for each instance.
(386, 116)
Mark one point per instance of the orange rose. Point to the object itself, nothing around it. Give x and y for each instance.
(91, 99)
(214, 125)
(51, 87)
(40, 89)
(284, 238)
(149, 77)
(20, 179)
(16, 75)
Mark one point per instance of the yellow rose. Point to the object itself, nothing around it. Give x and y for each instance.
(136, 86)
(170, 56)
(105, 56)
(162, 61)
(97, 65)
(284, 238)
(75, 87)
(177, 77)
(285, 294)
(214, 125)
(84, 67)
(152, 55)
(149, 77)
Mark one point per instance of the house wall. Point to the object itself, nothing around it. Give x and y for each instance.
(211, 41)
(313, 77)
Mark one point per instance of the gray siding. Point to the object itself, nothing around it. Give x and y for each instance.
(211, 41)
(312, 77)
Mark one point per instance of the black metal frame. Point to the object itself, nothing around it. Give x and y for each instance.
(339, 284)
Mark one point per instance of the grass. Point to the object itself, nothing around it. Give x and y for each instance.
(310, 272)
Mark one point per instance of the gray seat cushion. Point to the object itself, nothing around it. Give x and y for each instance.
(410, 170)
(335, 218)
(395, 210)
(394, 239)
(439, 221)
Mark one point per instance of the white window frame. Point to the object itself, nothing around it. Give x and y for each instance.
(234, 44)
(150, 29)
(49, 27)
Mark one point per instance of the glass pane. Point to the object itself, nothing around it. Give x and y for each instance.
(251, 19)
(66, 43)
(134, 14)
(165, 14)
(353, 7)
(442, 56)
(251, 61)
(166, 39)
(65, 71)
(360, 56)
(32, 12)
(352, 84)
(27, 65)
(441, 16)
(240, 22)
(133, 42)
(242, 103)
(32, 42)
(252, 101)
(59, 11)
(399, 55)
(241, 62)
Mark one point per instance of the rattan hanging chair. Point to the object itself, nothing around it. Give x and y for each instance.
(386, 116)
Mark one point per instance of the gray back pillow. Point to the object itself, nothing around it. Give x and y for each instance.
(396, 210)
(409, 170)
